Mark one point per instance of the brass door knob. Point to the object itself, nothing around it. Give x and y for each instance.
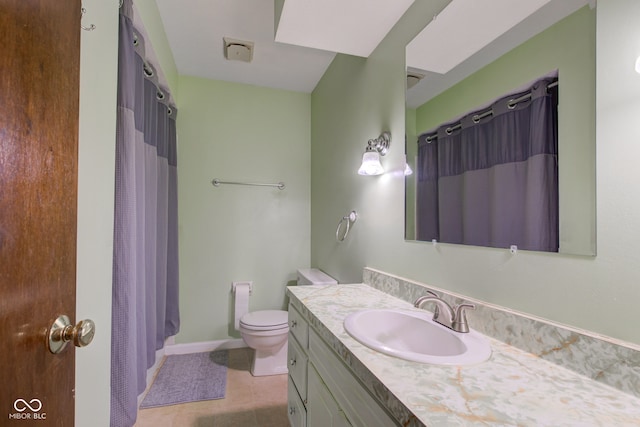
(62, 332)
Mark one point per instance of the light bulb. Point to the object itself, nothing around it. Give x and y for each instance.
(371, 164)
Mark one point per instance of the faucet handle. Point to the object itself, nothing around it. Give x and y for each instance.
(460, 318)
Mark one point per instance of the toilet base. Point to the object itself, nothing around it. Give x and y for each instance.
(269, 363)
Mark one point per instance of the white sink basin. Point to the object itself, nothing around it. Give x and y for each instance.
(413, 335)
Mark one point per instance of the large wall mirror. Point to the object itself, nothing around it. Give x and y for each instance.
(556, 36)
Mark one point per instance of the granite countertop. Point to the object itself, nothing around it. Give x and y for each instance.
(511, 388)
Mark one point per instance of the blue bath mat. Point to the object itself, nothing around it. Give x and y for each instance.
(189, 378)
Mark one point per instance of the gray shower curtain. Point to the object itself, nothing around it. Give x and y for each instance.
(493, 181)
(145, 256)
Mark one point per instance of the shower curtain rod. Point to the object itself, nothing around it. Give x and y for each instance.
(512, 103)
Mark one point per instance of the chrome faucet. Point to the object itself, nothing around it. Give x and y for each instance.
(455, 319)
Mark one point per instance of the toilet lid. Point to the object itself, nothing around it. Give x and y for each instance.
(265, 320)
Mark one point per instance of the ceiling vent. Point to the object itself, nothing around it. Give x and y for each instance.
(413, 79)
(238, 50)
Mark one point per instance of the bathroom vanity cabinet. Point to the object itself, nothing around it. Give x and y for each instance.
(337, 380)
(322, 390)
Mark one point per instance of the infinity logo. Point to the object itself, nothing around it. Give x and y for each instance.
(21, 405)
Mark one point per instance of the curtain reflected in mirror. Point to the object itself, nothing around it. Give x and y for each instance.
(491, 178)
(567, 46)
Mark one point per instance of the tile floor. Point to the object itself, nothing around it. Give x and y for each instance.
(249, 402)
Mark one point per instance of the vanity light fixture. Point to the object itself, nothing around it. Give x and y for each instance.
(371, 159)
(638, 65)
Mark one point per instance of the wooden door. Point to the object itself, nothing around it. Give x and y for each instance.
(39, 87)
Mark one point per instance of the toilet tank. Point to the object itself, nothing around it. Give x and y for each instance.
(313, 276)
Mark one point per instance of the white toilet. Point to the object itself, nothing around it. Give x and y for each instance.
(266, 331)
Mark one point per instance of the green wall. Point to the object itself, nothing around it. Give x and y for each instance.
(237, 132)
(357, 98)
(96, 170)
(569, 47)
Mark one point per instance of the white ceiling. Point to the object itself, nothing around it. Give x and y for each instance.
(458, 26)
(354, 27)
(309, 34)
(295, 55)
(469, 34)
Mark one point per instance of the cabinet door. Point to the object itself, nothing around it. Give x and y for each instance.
(360, 407)
(295, 409)
(322, 409)
(298, 367)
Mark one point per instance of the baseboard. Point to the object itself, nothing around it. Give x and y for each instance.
(199, 347)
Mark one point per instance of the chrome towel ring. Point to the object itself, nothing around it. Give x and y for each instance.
(348, 220)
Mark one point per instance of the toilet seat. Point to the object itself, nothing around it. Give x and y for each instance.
(265, 320)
